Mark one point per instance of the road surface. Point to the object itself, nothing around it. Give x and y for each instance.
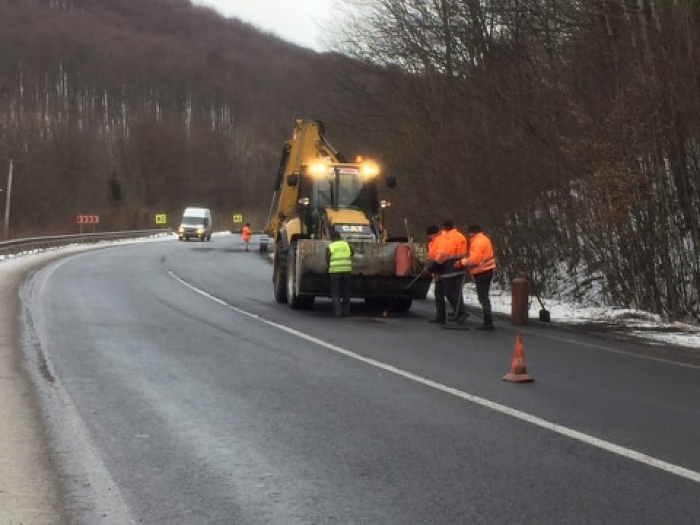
(172, 389)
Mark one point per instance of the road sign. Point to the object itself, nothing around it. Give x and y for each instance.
(88, 219)
(238, 217)
(161, 218)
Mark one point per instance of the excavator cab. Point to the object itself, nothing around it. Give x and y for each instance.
(338, 197)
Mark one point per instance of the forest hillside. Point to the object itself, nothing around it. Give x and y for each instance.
(125, 109)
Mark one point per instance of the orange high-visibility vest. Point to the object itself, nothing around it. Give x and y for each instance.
(432, 248)
(450, 245)
(245, 233)
(481, 257)
(459, 241)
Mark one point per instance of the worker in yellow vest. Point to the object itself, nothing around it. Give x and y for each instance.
(339, 258)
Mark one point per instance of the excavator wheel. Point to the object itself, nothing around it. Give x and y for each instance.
(402, 305)
(295, 302)
(279, 279)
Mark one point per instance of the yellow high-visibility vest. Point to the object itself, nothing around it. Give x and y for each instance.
(341, 257)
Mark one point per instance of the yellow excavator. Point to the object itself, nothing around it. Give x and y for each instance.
(318, 192)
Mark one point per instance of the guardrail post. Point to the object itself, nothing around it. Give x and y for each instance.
(8, 200)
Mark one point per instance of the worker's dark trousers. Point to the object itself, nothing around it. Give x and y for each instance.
(452, 287)
(483, 288)
(439, 291)
(340, 293)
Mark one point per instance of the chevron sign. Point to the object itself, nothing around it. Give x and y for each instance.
(88, 219)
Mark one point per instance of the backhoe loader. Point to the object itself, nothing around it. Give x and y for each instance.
(317, 192)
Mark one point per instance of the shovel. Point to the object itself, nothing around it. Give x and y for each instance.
(544, 313)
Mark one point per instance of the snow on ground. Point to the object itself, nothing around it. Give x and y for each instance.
(634, 322)
(79, 247)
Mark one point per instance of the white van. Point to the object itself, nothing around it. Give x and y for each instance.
(195, 224)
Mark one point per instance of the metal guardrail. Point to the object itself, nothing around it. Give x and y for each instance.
(16, 246)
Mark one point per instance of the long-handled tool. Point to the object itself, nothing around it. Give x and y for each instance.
(408, 233)
(469, 310)
(385, 313)
(460, 297)
(413, 281)
(544, 313)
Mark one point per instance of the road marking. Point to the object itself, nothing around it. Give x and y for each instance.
(497, 407)
(611, 350)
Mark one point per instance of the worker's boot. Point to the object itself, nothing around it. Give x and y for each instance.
(440, 316)
(488, 323)
(461, 317)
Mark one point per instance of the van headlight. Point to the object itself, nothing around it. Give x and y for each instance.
(200, 231)
(180, 229)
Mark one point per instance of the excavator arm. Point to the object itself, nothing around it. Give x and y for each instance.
(308, 144)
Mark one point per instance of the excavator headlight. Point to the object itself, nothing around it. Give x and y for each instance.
(369, 169)
(318, 168)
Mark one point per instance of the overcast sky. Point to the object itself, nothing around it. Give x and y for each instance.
(297, 21)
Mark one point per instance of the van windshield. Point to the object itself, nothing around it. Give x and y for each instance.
(192, 221)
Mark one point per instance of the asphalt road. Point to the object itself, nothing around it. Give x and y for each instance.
(173, 389)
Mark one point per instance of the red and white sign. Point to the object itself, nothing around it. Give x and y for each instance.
(88, 219)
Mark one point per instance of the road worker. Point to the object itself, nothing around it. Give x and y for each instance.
(339, 258)
(433, 232)
(246, 234)
(451, 246)
(481, 264)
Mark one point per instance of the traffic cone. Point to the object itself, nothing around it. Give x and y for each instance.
(518, 371)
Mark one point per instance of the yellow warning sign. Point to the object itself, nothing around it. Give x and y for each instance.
(238, 217)
(161, 218)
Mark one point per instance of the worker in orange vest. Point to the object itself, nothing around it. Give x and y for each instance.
(451, 246)
(246, 234)
(440, 312)
(481, 263)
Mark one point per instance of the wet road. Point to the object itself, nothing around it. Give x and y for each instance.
(177, 391)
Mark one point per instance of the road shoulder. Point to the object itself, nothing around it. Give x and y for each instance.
(29, 485)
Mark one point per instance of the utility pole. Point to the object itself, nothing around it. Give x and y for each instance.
(8, 196)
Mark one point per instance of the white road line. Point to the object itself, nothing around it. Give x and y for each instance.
(523, 416)
(606, 348)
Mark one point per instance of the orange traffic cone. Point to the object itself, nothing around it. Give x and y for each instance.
(518, 371)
